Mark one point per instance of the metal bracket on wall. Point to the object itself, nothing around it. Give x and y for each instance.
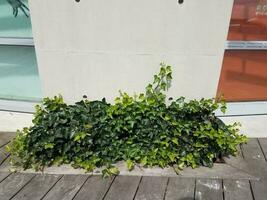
(246, 45)
(14, 41)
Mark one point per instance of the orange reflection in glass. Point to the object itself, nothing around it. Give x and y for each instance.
(249, 20)
(244, 76)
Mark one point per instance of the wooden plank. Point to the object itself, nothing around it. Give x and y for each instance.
(259, 189)
(38, 187)
(3, 175)
(5, 138)
(252, 150)
(3, 154)
(5, 166)
(263, 144)
(123, 188)
(209, 189)
(12, 184)
(66, 188)
(237, 190)
(152, 188)
(239, 153)
(180, 188)
(94, 188)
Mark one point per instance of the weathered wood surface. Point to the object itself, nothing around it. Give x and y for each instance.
(263, 144)
(13, 184)
(66, 188)
(95, 188)
(152, 188)
(80, 187)
(237, 190)
(123, 188)
(3, 154)
(3, 175)
(6, 166)
(254, 160)
(259, 189)
(38, 187)
(180, 188)
(208, 189)
(252, 150)
(5, 138)
(239, 153)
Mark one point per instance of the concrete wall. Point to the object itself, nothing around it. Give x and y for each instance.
(97, 47)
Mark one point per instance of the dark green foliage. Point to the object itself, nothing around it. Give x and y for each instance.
(144, 129)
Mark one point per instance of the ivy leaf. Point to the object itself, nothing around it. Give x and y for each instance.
(114, 170)
(79, 136)
(172, 156)
(130, 165)
(181, 166)
(175, 141)
(49, 146)
(223, 109)
(144, 161)
(110, 171)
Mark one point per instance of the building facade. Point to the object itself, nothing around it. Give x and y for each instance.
(98, 48)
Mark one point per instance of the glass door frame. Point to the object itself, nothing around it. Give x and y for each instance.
(245, 107)
(17, 41)
(17, 105)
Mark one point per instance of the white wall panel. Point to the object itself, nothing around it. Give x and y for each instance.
(97, 47)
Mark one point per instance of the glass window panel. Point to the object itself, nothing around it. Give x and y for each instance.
(249, 20)
(11, 26)
(244, 76)
(19, 78)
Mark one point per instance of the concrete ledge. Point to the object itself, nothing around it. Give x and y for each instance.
(218, 171)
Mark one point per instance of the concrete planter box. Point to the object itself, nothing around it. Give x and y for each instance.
(97, 47)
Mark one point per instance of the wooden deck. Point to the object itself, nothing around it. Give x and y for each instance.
(30, 186)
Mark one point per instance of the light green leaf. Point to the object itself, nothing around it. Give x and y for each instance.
(49, 146)
(130, 165)
(144, 161)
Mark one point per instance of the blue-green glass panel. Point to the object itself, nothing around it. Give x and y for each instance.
(11, 26)
(19, 79)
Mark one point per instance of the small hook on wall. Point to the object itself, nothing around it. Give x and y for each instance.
(180, 1)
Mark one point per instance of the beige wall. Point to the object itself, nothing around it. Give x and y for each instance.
(97, 47)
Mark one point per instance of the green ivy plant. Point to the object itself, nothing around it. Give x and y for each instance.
(145, 129)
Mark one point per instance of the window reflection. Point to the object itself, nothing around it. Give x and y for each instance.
(249, 20)
(244, 71)
(11, 26)
(244, 76)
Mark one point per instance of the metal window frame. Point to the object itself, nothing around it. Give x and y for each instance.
(244, 108)
(11, 104)
(245, 45)
(17, 41)
(249, 107)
